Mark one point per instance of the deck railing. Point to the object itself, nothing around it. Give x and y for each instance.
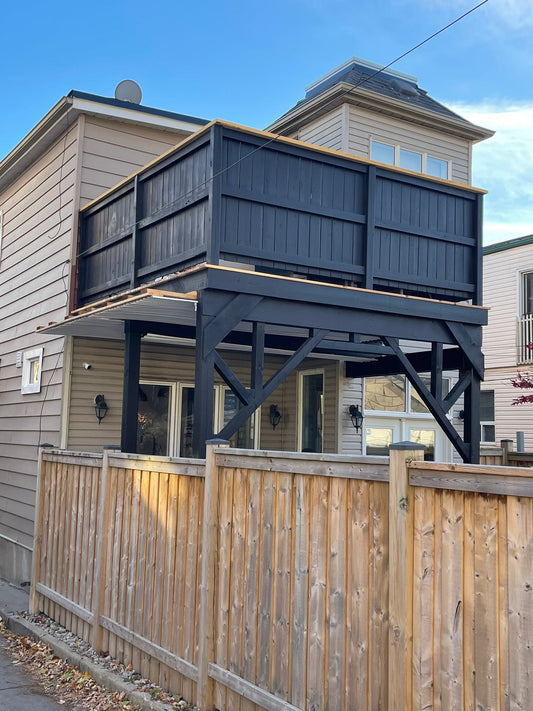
(243, 196)
(525, 339)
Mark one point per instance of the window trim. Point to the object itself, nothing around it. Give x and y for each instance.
(28, 357)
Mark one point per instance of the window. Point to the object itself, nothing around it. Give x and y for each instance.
(487, 416)
(526, 300)
(311, 407)
(410, 160)
(154, 419)
(32, 362)
(392, 393)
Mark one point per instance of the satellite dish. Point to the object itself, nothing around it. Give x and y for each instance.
(129, 90)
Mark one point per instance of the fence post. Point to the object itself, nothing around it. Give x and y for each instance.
(100, 562)
(401, 575)
(507, 445)
(37, 533)
(206, 625)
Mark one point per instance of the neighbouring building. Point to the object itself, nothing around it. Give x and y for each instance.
(242, 284)
(508, 293)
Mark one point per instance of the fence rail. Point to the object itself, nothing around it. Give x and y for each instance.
(287, 581)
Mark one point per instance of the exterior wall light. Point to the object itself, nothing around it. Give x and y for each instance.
(100, 407)
(275, 416)
(356, 416)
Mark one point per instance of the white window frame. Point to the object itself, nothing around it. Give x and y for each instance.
(397, 148)
(28, 359)
(301, 375)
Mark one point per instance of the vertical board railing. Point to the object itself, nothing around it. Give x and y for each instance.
(525, 339)
(289, 581)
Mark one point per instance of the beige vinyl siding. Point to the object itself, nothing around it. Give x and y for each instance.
(326, 131)
(365, 126)
(34, 275)
(112, 151)
(175, 364)
(510, 419)
(501, 294)
(39, 217)
(501, 291)
(351, 393)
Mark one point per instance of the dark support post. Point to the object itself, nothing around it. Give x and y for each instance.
(472, 426)
(130, 399)
(258, 357)
(370, 219)
(436, 370)
(204, 383)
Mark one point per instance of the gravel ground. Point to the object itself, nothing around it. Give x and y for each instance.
(70, 686)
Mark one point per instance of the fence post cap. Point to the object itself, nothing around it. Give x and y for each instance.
(217, 442)
(407, 445)
(47, 445)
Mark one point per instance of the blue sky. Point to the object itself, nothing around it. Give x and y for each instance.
(249, 62)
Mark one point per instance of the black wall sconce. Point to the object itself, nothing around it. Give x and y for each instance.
(275, 416)
(100, 407)
(356, 416)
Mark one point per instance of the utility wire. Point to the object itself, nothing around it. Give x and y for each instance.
(280, 134)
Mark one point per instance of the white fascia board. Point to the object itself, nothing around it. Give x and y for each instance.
(139, 117)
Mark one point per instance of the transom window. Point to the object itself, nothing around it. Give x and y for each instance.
(393, 393)
(410, 160)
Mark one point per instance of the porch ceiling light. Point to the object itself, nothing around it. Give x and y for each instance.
(275, 416)
(100, 407)
(356, 416)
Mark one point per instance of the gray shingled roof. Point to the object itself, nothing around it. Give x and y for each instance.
(397, 86)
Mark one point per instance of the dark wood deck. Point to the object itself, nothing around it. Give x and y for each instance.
(237, 195)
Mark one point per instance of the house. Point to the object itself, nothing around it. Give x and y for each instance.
(508, 293)
(241, 285)
(84, 145)
(387, 117)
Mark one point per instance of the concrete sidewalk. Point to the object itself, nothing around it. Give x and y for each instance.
(18, 691)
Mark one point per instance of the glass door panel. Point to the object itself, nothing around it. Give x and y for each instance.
(153, 421)
(244, 437)
(427, 438)
(312, 411)
(378, 441)
(186, 420)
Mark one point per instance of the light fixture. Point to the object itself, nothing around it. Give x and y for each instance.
(100, 408)
(275, 416)
(356, 416)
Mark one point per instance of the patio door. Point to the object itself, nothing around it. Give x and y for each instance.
(381, 432)
(227, 405)
(155, 421)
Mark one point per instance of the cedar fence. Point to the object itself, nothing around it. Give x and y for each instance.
(287, 581)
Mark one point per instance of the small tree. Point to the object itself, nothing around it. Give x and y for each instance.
(524, 380)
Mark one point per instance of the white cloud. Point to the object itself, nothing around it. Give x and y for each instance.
(503, 165)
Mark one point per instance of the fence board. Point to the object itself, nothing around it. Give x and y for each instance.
(299, 577)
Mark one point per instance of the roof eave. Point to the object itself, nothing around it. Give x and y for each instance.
(65, 114)
(357, 96)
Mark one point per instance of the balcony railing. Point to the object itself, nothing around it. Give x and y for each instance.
(525, 339)
(238, 195)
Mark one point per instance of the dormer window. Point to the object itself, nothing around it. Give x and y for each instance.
(410, 160)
